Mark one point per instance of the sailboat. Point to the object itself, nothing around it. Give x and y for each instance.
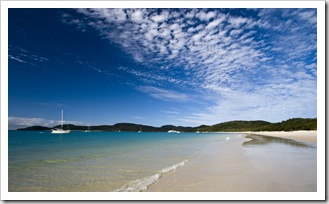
(60, 130)
(173, 131)
(88, 129)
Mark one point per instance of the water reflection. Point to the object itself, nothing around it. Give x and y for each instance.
(264, 140)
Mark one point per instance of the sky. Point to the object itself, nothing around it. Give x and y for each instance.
(160, 66)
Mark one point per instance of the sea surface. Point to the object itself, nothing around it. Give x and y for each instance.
(98, 161)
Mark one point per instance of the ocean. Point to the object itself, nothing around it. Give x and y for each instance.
(98, 161)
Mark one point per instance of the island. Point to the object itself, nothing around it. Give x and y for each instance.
(230, 126)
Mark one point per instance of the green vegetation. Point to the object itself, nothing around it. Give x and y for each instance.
(238, 125)
(231, 126)
(287, 125)
(40, 128)
(292, 124)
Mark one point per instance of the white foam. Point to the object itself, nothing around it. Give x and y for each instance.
(142, 184)
(139, 184)
(171, 168)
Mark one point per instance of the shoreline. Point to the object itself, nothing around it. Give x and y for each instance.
(232, 166)
(194, 177)
(301, 135)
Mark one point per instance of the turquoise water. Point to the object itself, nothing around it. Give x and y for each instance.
(98, 161)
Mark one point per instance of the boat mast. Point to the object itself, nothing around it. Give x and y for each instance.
(62, 120)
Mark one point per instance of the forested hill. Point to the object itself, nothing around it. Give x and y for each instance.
(258, 125)
(231, 126)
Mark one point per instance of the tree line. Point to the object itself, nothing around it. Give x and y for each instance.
(231, 126)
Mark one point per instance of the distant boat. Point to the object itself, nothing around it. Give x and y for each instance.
(60, 130)
(87, 130)
(198, 131)
(173, 131)
(140, 130)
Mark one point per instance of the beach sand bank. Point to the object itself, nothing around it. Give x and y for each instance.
(302, 136)
(243, 164)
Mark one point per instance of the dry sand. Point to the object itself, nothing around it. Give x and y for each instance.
(230, 166)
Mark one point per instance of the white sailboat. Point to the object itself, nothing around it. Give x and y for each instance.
(60, 130)
(173, 131)
(88, 129)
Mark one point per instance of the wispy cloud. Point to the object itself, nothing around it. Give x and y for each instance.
(16, 59)
(23, 56)
(171, 112)
(56, 105)
(241, 61)
(163, 94)
(138, 117)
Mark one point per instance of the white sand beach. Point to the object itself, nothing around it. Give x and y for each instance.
(242, 165)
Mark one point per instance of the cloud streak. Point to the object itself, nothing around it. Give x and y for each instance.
(163, 94)
(23, 56)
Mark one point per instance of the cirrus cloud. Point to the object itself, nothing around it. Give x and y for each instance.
(163, 94)
(228, 55)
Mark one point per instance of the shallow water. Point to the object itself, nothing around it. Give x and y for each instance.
(98, 161)
(285, 165)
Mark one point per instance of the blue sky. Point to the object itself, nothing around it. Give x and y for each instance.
(161, 66)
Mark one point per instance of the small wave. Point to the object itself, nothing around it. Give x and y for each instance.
(142, 184)
(171, 168)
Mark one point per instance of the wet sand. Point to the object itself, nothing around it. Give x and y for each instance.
(303, 136)
(246, 164)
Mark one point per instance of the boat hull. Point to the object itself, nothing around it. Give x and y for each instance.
(60, 131)
(173, 131)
